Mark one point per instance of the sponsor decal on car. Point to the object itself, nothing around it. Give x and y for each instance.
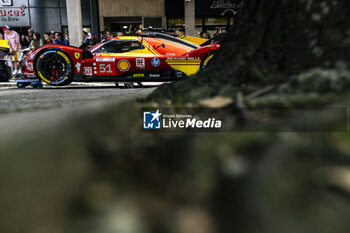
(123, 65)
(32, 56)
(43, 78)
(155, 62)
(87, 71)
(154, 75)
(29, 66)
(140, 63)
(183, 58)
(78, 65)
(77, 55)
(139, 75)
(64, 56)
(105, 59)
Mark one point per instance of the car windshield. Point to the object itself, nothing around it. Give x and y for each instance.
(118, 46)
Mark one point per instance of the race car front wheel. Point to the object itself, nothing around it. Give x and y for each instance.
(55, 68)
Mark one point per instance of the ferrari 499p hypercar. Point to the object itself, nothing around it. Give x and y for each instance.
(147, 57)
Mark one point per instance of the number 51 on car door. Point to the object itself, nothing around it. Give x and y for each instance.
(105, 68)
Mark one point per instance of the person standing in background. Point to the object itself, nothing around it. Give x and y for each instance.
(59, 39)
(204, 35)
(67, 37)
(24, 42)
(182, 32)
(47, 38)
(88, 40)
(52, 35)
(15, 45)
(102, 36)
(132, 29)
(36, 42)
(108, 34)
(30, 34)
(171, 31)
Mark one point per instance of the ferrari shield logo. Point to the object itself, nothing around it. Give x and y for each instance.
(77, 55)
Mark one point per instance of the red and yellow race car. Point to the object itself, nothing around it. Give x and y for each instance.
(151, 56)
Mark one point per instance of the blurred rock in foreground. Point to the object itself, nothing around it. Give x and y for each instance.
(99, 173)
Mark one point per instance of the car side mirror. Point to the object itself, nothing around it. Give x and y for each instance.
(157, 47)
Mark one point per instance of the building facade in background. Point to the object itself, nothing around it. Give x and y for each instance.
(45, 15)
(118, 15)
(211, 15)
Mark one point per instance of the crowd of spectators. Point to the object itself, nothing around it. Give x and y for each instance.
(33, 40)
(28, 42)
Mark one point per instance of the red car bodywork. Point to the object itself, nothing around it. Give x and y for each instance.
(158, 59)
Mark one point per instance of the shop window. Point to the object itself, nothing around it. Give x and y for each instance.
(155, 22)
(215, 21)
(199, 21)
(176, 22)
(173, 22)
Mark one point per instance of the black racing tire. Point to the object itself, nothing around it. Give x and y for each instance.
(3, 78)
(22, 85)
(55, 67)
(5, 72)
(207, 60)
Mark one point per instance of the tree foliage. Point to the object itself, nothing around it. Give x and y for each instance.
(270, 42)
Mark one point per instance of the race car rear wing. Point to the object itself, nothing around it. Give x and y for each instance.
(4, 48)
(4, 45)
(218, 39)
(165, 36)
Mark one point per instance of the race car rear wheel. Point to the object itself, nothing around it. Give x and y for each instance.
(206, 60)
(55, 68)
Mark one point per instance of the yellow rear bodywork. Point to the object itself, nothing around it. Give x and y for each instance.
(195, 40)
(186, 66)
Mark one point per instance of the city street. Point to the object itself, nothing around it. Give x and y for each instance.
(174, 116)
(24, 110)
(15, 101)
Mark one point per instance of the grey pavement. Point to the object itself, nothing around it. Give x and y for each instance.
(26, 111)
(15, 100)
(23, 107)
